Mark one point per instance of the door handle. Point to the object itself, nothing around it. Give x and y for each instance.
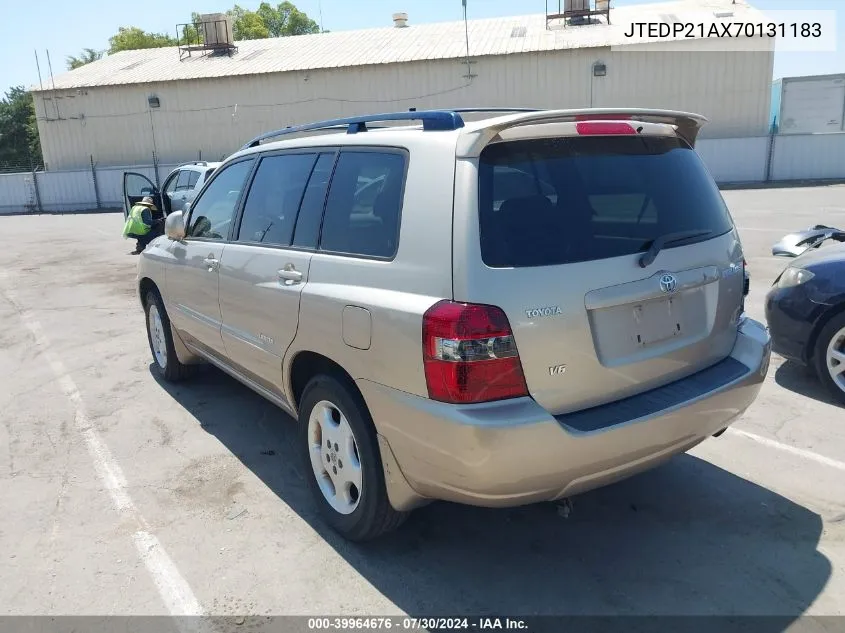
(290, 275)
(211, 262)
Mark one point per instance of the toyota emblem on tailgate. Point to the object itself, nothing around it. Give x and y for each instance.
(668, 283)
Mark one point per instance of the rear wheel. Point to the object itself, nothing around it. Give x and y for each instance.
(339, 447)
(830, 357)
(160, 338)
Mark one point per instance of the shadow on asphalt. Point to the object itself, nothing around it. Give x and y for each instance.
(803, 381)
(686, 538)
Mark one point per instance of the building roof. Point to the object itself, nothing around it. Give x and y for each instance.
(417, 42)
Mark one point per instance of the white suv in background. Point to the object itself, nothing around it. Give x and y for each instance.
(180, 187)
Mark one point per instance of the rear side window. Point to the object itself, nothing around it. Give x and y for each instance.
(192, 179)
(273, 201)
(555, 201)
(364, 204)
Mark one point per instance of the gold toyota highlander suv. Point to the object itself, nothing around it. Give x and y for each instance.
(498, 311)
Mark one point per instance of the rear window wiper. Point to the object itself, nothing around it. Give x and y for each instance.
(664, 240)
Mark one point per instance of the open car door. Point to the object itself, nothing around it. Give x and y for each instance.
(135, 187)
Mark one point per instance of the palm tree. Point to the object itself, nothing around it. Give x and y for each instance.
(87, 56)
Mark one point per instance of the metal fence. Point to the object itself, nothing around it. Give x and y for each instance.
(92, 189)
(17, 166)
(774, 158)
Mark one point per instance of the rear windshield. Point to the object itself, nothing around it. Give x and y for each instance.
(562, 200)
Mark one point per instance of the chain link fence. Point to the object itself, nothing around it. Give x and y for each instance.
(11, 167)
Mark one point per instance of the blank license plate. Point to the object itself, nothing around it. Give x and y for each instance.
(658, 320)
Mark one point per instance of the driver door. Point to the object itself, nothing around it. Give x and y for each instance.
(192, 276)
(135, 188)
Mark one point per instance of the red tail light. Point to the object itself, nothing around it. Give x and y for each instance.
(604, 127)
(470, 355)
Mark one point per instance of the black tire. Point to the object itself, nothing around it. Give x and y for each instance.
(831, 329)
(373, 515)
(172, 370)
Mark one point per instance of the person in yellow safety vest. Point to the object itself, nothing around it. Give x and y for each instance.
(139, 225)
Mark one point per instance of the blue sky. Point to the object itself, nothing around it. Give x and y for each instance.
(68, 27)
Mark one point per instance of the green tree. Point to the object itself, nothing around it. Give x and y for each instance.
(132, 38)
(19, 142)
(87, 56)
(247, 25)
(286, 20)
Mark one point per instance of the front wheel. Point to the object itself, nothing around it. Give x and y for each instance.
(340, 449)
(830, 357)
(160, 338)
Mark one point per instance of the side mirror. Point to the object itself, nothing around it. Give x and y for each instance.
(174, 226)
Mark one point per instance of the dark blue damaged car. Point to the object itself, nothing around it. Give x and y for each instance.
(805, 310)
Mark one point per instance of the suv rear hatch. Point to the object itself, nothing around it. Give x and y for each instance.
(561, 244)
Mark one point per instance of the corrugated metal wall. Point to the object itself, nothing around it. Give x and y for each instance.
(735, 159)
(808, 156)
(215, 117)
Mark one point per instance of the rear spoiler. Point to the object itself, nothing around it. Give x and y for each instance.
(479, 134)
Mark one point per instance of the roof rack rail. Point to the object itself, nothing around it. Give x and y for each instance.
(493, 110)
(194, 162)
(432, 120)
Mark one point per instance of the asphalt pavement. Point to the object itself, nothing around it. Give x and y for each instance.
(123, 495)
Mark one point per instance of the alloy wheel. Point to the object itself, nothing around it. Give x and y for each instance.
(334, 457)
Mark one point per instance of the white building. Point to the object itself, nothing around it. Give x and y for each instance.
(211, 105)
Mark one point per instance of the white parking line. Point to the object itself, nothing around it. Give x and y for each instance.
(172, 587)
(786, 448)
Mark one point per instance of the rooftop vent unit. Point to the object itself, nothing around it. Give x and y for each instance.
(217, 29)
(210, 33)
(400, 20)
(576, 11)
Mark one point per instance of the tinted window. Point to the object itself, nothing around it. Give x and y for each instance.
(311, 210)
(365, 199)
(555, 201)
(193, 177)
(212, 214)
(274, 196)
(183, 184)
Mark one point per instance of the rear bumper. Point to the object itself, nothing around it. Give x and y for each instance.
(514, 452)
